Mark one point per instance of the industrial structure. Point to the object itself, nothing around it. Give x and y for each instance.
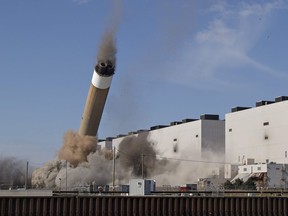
(182, 139)
(98, 91)
(83, 205)
(251, 141)
(248, 136)
(259, 133)
(265, 176)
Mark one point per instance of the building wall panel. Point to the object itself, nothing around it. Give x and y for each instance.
(152, 205)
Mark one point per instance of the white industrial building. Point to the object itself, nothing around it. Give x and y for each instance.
(253, 137)
(192, 144)
(265, 176)
(189, 138)
(260, 133)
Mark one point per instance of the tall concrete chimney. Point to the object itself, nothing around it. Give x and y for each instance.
(96, 98)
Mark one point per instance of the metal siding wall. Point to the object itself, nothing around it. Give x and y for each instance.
(156, 205)
(248, 133)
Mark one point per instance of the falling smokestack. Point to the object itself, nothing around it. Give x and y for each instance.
(96, 98)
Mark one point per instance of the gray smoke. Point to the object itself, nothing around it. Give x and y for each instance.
(182, 167)
(97, 167)
(12, 172)
(46, 176)
(52, 175)
(107, 50)
(159, 43)
(188, 166)
(176, 170)
(135, 151)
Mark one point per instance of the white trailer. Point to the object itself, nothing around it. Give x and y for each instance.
(141, 187)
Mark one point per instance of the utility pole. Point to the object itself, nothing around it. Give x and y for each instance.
(113, 171)
(26, 176)
(66, 174)
(142, 157)
(60, 183)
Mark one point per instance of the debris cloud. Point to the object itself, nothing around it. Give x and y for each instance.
(76, 148)
(107, 50)
(12, 172)
(135, 150)
(96, 169)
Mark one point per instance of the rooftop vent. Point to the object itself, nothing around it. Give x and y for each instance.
(188, 120)
(109, 138)
(209, 117)
(236, 109)
(176, 123)
(142, 130)
(281, 98)
(263, 102)
(121, 135)
(158, 127)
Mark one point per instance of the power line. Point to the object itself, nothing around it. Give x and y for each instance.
(176, 159)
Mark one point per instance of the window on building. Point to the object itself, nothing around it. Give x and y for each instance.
(266, 123)
(285, 154)
(258, 168)
(244, 169)
(238, 158)
(266, 137)
(196, 135)
(230, 130)
(175, 139)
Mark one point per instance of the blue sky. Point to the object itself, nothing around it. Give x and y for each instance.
(175, 60)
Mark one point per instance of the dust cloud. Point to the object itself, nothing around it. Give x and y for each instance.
(135, 150)
(12, 172)
(96, 168)
(79, 158)
(76, 148)
(179, 168)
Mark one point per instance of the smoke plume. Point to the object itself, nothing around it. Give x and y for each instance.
(85, 166)
(12, 172)
(107, 50)
(187, 167)
(53, 174)
(46, 176)
(182, 167)
(135, 151)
